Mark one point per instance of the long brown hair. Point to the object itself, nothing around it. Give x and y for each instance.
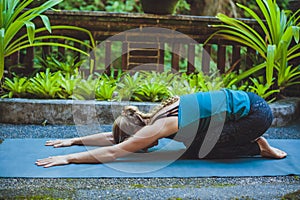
(132, 120)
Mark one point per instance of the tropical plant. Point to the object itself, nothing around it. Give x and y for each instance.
(127, 86)
(65, 64)
(181, 86)
(263, 90)
(105, 89)
(154, 86)
(151, 91)
(45, 85)
(140, 86)
(67, 83)
(85, 89)
(204, 82)
(15, 16)
(274, 45)
(17, 87)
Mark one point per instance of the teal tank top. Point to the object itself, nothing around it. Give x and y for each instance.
(192, 107)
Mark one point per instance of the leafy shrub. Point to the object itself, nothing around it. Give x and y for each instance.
(45, 85)
(261, 89)
(127, 86)
(105, 88)
(141, 86)
(67, 83)
(65, 64)
(17, 87)
(85, 89)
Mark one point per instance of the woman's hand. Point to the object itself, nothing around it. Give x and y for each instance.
(53, 161)
(60, 143)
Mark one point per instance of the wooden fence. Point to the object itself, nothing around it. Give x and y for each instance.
(144, 39)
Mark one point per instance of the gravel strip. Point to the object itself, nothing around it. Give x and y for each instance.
(151, 188)
(291, 131)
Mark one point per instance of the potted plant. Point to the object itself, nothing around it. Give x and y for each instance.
(161, 7)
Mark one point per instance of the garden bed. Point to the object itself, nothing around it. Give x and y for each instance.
(34, 111)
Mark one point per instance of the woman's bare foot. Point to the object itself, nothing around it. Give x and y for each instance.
(269, 152)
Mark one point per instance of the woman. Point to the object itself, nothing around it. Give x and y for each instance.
(220, 124)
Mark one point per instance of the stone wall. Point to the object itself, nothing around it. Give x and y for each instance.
(29, 111)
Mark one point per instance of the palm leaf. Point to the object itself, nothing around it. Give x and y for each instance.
(2, 35)
(30, 31)
(270, 63)
(258, 19)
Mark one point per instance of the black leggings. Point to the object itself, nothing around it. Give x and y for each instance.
(238, 137)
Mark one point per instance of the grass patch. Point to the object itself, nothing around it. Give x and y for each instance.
(37, 194)
(221, 185)
(137, 186)
(243, 198)
(292, 196)
(38, 197)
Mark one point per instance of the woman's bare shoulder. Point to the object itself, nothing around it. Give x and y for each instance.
(166, 109)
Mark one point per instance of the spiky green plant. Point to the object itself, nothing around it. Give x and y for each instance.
(67, 83)
(127, 86)
(105, 89)
(85, 89)
(45, 85)
(263, 90)
(16, 87)
(65, 64)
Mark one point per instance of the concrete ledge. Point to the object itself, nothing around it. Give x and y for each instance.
(33, 111)
(36, 111)
(285, 111)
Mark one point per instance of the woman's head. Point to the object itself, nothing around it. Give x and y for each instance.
(128, 123)
(132, 120)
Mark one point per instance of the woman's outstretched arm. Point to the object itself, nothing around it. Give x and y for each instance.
(142, 139)
(99, 139)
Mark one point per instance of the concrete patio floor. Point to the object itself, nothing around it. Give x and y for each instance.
(278, 187)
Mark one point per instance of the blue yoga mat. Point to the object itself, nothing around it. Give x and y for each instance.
(17, 158)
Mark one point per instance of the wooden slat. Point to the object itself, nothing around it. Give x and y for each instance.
(29, 60)
(236, 57)
(46, 49)
(144, 52)
(221, 60)
(161, 56)
(142, 59)
(15, 58)
(175, 56)
(125, 55)
(250, 53)
(61, 49)
(108, 56)
(77, 45)
(191, 58)
(206, 58)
